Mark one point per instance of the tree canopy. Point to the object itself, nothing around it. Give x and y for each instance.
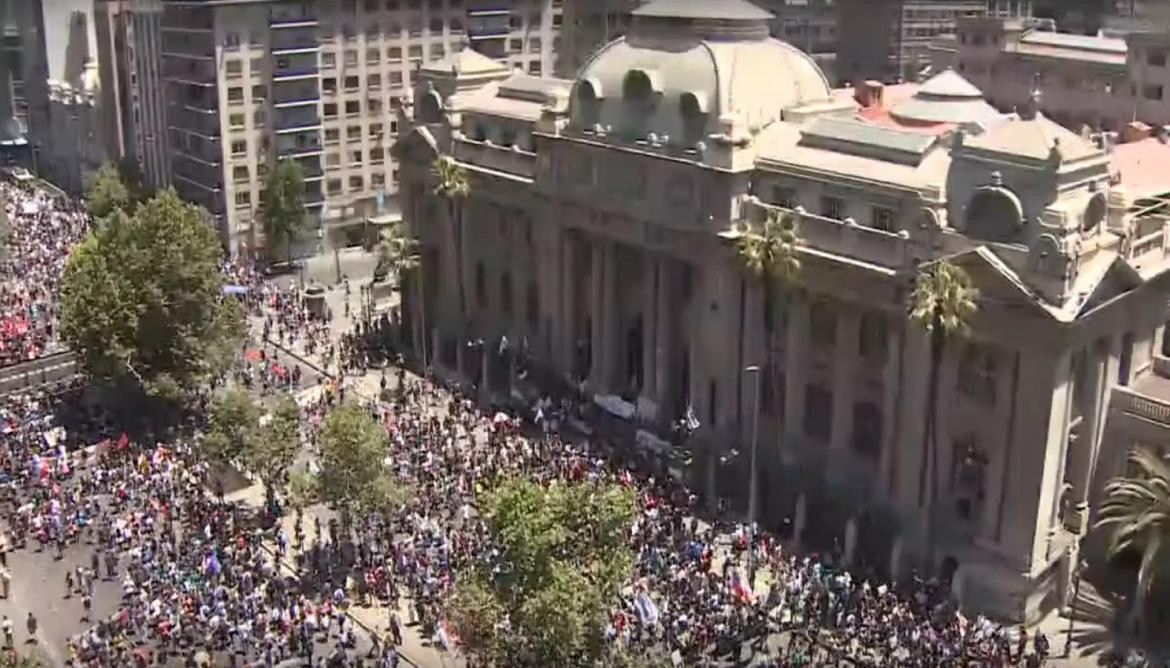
(284, 206)
(277, 441)
(107, 192)
(353, 446)
(232, 426)
(562, 557)
(397, 253)
(141, 299)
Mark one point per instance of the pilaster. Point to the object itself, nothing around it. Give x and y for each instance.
(796, 363)
(845, 355)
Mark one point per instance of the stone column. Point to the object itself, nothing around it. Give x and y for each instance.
(664, 334)
(597, 316)
(915, 379)
(611, 319)
(1082, 452)
(796, 359)
(891, 392)
(650, 288)
(845, 357)
(998, 447)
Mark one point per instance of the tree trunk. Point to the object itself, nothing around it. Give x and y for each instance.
(454, 213)
(926, 486)
(422, 315)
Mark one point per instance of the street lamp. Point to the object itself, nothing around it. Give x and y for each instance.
(753, 371)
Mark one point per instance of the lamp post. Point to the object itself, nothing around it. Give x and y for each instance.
(753, 371)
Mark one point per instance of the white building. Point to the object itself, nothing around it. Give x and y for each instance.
(598, 232)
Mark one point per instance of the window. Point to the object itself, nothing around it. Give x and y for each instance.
(394, 54)
(236, 121)
(240, 173)
(534, 45)
(395, 78)
(258, 118)
(872, 337)
(353, 108)
(231, 40)
(515, 45)
(333, 186)
(332, 135)
(353, 132)
(374, 81)
(243, 198)
(353, 83)
(480, 285)
(534, 67)
(558, 20)
(333, 160)
(235, 94)
(783, 197)
(882, 218)
(259, 93)
(438, 51)
(514, 21)
(329, 85)
(356, 182)
(374, 106)
(818, 412)
(1152, 92)
(436, 26)
(351, 58)
(506, 293)
(328, 61)
(376, 155)
(234, 68)
(977, 373)
(1156, 58)
(377, 180)
(969, 478)
(393, 128)
(329, 109)
(455, 27)
(822, 324)
(415, 52)
(375, 129)
(373, 56)
(832, 207)
(349, 34)
(239, 147)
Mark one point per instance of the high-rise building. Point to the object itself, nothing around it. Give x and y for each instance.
(253, 81)
(129, 46)
(889, 40)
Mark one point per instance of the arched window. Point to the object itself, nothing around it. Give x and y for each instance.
(994, 214)
(638, 99)
(1094, 213)
(588, 100)
(692, 107)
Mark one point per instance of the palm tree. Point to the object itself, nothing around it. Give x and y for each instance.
(452, 185)
(397, 255)
(1137, 508)
(768, 252)
(942, 303)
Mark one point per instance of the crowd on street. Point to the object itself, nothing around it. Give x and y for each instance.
(203, 582)
(41, 229)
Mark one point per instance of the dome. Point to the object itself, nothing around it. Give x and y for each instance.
(947, 98)
(685, 64)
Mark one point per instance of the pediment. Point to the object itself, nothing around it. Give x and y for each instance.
(1119, 279)
(996, 282)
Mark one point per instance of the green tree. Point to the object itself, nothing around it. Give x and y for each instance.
(563, 557)
(1137, 510)
(233, 425)
(942, 303)
(277, 442)
(769, 253)
(304, 489)
(284, 206)
(353, 446)
(398, 256)
(107, 192)
(141, 299)
(453, 186)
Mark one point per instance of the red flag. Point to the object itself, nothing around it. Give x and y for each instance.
(123, 441)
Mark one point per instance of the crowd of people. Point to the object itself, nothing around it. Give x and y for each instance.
(199, 580)
(40, 229)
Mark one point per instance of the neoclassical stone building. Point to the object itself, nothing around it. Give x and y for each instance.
(597, 232)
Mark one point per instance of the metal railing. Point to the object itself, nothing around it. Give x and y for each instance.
(1141, 405)
(36, 373)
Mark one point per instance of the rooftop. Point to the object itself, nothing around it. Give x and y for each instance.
(1141, 165)
(723, 10)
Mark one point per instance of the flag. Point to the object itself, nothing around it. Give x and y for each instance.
(740, 589)
(123, 441)
(647, 611)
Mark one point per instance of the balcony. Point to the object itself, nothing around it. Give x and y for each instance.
(286, 17)
(302, 40)
(294, 126)
(292, 74)
(497, 158)
(185, 119)
(297, 146)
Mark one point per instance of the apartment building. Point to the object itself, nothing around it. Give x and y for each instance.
(253, 81)
(890, 40)
(129, 44)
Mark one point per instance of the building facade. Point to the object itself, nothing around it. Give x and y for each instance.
(253, 81)
(129, 45)
(890, 40)
(599, 239)
(1102, 82)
